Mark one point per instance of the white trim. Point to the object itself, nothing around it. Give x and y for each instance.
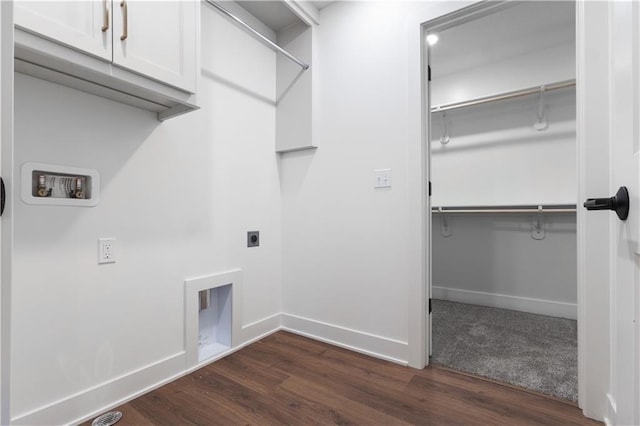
(6, 233)
(82, 400)
(191, 288)
(263, 325)
(369, 344)
(503, 301)
(418, 206)
(610, 418)
(592, 136)
(307, 13)
(76, 406)
(419, 327)
(581, 230)
(258, 329)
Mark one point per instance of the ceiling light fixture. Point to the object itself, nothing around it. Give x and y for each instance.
(432, 39)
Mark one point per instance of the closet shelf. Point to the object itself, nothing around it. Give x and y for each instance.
(551, 208)
(257, 34)
(506, 95)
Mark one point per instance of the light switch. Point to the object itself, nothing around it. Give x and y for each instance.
(382, 178)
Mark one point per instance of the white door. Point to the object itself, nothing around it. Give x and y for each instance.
(624, 139)
(82, 25)
(157, 39)
(610, 114)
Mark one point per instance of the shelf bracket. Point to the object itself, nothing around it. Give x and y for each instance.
(542, 123)
(444, 138)
(445, 228)
(537, 227)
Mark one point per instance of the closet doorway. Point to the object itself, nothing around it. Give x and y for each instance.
(503, 171)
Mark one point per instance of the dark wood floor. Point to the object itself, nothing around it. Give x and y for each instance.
(288, 379)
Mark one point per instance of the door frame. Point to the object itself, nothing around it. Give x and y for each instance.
(593, 338)
(450, 20)
(6, 233)
(418, 169)
(593, 231)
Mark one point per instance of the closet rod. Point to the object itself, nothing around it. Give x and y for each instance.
(257, 35)
(504, 96)
(508, 209)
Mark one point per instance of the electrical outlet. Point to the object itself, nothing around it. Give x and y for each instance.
(253, 238)
(106, 250)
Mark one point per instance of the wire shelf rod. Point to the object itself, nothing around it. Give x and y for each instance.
(504, 96)
(508, 209)
(256, 34)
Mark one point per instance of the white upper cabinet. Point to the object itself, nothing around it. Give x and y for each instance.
(157, 39)
(140, 52)
(78, 24)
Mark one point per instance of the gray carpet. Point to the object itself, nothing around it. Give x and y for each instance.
(527, 350)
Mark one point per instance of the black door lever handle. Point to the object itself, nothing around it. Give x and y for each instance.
(2, 194)
(600, 203)
(618, 203)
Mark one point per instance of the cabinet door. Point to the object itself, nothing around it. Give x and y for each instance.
(157, 39)
(77, 24)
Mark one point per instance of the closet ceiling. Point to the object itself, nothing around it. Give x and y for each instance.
(517, 29)
(321, 4)
(275, 14)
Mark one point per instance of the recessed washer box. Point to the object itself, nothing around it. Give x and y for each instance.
(55, 185)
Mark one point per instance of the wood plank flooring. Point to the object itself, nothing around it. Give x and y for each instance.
(288, 379)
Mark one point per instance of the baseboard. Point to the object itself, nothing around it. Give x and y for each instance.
(523, 304)
(132, 384)
(610, 419)
(100, 399)
(250, 334)
(264, 327)
(354, 340)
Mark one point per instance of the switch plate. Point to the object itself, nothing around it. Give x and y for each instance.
(382, 178)
(106, 250)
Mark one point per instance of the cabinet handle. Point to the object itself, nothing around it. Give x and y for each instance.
(125, 20)
(105, 25)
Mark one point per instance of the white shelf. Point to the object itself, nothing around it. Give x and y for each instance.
(47, 60)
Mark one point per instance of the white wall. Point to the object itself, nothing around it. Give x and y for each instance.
(178, 197)
(517, 45)
(294, 89)
(528, 69)
(338, 283)
(495, 157)
(352, 259)
(494, 261)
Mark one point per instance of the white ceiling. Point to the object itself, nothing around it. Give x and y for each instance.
(321, 4)
(274, 14)
(523, 27)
